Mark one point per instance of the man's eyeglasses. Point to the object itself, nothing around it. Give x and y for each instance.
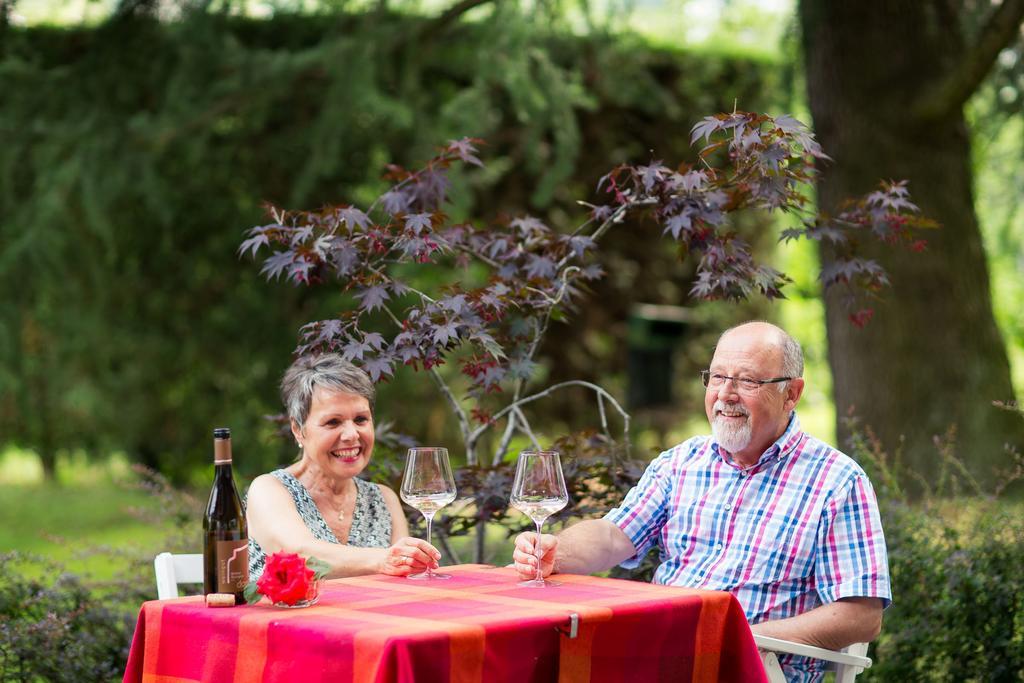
(746, 385)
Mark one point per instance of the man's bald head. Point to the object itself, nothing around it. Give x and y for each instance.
(789, 348)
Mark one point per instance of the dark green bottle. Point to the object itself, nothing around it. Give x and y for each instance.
(226, 550)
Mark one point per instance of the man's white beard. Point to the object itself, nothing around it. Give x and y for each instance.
(732, 437)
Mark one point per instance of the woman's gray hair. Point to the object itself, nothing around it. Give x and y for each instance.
(329, 371)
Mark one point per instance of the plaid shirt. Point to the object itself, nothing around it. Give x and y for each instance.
(798, 529)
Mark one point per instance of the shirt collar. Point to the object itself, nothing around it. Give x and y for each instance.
(782, 446)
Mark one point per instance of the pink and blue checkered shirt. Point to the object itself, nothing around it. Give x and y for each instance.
(797, 530)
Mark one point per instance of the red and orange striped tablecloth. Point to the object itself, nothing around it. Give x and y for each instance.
(478, 626)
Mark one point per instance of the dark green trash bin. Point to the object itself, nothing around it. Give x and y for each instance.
(654, 334)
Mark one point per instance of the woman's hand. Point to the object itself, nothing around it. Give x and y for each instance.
(524, 556)
(409, 556)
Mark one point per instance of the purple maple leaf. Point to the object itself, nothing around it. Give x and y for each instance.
(498, 247)
(300, 235)
(676, 224)
(322, 245)
(373, 297)
(704, 129)
(407, 353)
(746, 139)
(415, 248)
(431, 188)
(354, 350)
(521, 368)
(329, 329)
(651, 174)
(491, 377)
(417, 222)
(801, 133)
(403, 338)
(344, 255)
(353, 217)
(274, 265)
(374, 339)
(378, 367)
(299, 270)
(456, 304)
(489, 343)
(395, 201)
(445, 332)
(490, 300)
(601, 213)
(528, 225)
(258, 239)
(691, 181)
(464, 149)
(539, 267)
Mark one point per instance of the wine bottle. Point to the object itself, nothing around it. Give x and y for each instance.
(226, 550)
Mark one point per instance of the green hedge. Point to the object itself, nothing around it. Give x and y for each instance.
(134, 154)
(54, 628)
(958, 591)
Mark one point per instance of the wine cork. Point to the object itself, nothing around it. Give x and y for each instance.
(220, 600)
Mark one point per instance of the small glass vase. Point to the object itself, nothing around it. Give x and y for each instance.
(312, 597)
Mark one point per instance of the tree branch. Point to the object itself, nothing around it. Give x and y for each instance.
(460, 414)
(506, 439)
(442, 21)
(524, 427)
(950, 95)
(513, 409)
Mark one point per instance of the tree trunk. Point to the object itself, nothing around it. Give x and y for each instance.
(932, 357)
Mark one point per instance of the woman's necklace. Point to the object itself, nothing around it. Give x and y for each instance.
(326, 503)
(341, 510)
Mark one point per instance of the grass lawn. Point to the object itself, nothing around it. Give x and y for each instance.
(95, 507)
(89, 507)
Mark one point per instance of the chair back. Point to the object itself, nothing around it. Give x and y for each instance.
(172, 570)
(847, 663)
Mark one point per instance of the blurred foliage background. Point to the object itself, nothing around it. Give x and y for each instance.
(137, 151)
(139, 140)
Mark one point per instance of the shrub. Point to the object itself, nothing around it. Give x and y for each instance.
(955, 562)
(53, 628)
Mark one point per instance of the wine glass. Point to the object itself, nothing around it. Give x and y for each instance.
(538, 491)
(428, 486)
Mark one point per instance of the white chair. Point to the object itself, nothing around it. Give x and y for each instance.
(172, 570)
(847, 663)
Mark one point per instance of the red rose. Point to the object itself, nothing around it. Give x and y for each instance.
(286, 578)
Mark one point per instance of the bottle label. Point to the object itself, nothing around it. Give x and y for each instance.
(232, 566)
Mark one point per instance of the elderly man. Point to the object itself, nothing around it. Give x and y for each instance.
(785, 522)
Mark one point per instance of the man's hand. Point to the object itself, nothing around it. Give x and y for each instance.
(525, 554)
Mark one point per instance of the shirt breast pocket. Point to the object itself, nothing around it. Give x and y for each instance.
(781, 543)
(696, 530)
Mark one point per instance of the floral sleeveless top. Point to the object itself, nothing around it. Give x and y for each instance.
(371, 521)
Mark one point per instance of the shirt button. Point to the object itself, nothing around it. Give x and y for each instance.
(728, 506)
(720, 546)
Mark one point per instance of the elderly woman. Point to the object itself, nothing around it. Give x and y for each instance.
(317, 506)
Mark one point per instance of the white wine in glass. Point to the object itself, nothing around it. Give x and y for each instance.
(428, 485)
(538, 491)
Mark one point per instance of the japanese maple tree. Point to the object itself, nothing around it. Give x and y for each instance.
(519, 275)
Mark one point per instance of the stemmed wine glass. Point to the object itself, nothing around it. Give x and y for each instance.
(428, 486)
(538, 491)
